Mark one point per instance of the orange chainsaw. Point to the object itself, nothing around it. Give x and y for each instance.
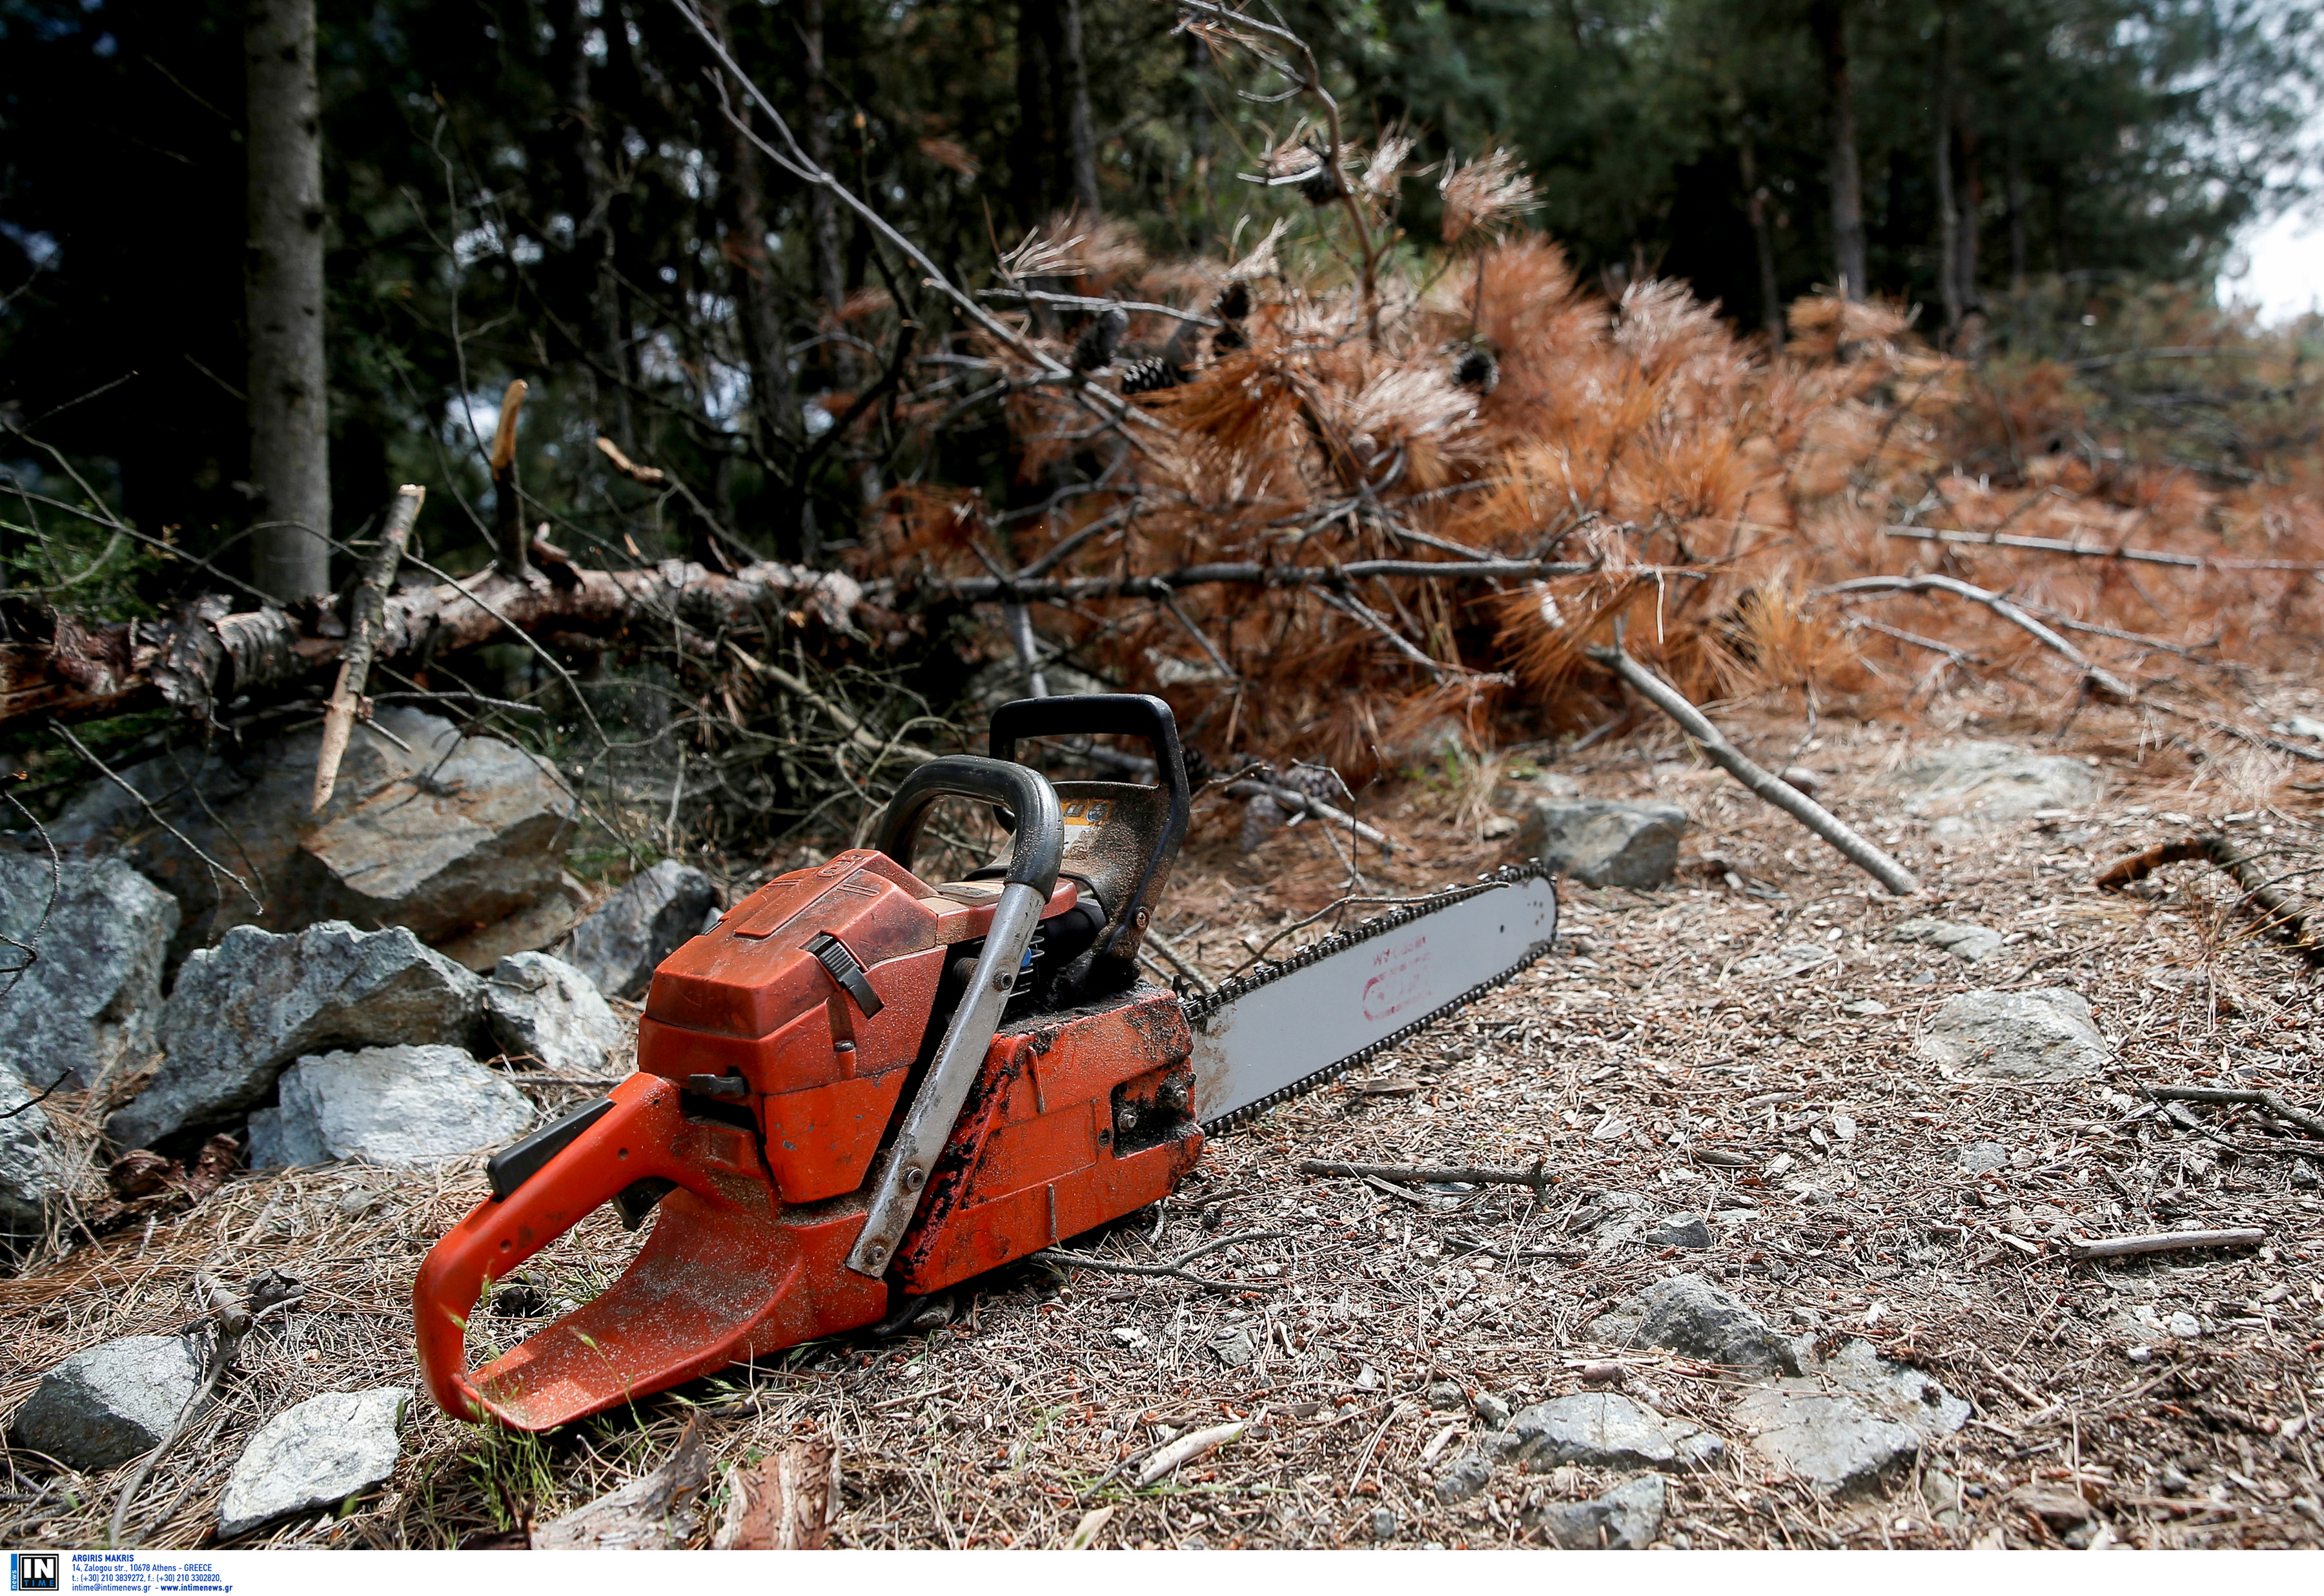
(857, 1087)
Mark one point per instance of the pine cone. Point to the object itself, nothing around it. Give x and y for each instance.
(1478, 370)
(1094, 348)
(1262, 817)
(1150, 376)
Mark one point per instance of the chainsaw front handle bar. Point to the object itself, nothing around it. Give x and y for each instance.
(1035, 852)
(1039, 844)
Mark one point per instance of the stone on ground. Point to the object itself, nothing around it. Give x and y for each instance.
(1965, 942)
(639, 926)
(1972, 786)
(1832, 1441)
(1625, 1518)
(444, 835)
(1899, 1391)
(1607, 1430)
(543, 1009)
(1687, 1313)
(2043, 1034)
(86, 1004)
(1464, 1477)
(312, 1457)
(1604, 843)
(99, 1408)
(1797, 959)
(244, 1010)
(32, 1173)
(1981, 1158)
(401, 1107)
(1680, 1230)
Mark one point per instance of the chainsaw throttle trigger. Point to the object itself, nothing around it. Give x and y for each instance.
(520, 1161)
(832, 955)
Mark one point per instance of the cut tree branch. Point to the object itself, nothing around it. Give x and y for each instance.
(369, 607)
(1782, 794)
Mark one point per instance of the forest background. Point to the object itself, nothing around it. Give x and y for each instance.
(572, 193)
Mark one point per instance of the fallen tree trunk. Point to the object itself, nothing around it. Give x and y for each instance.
(55, 666)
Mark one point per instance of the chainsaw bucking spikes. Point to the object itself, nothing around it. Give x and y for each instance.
(827, 1118)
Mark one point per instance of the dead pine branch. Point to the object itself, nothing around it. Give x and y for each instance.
(368, 610)
(2099, 678)
(2274, 909)
(1300, 803)
(1174, 1268)
(1536, 1177)
(1782, 794)
(2165, 1241)
(2270, 1101)
(2158, 557)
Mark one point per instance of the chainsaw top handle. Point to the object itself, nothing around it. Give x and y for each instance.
(1039, 844)
(1124, 714)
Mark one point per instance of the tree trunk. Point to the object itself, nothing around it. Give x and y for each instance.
(589, 191)
(289, 413)
(1081, 135)
(1041, 128)
(1829, 21)
(2014, 197)
(1948, 228)
(1763, 240)
(823, 245)
(1969, 205)
(742, 210)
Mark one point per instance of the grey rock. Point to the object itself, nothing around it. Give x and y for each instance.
(640, 926)
(1831, 1442)
(1446, 1394)
(1234, 1347)
(543, 1008)
(1965, 942)
(1604, 843)
(244, 1010)
(1971, 787)
(86, 1005)
(1784, 963)
(33, 1172)
(1687, 1313)
(99, 1408)
(2040, 1035)
(1898, 1391)
(313, 1457)
(1492, 1412)
(1680, 1230)
(401, 1107)
(1981, 1157)
(1464, 1477)
(1605, 1430)
(1383, 1524)
(1625, 1518)
(445, 836)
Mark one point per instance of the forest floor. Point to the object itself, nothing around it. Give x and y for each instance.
(2173, 1394)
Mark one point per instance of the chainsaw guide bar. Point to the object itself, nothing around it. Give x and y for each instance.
(1202, 1011)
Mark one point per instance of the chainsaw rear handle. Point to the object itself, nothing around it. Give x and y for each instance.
(1035, 851)
(1121, 714)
